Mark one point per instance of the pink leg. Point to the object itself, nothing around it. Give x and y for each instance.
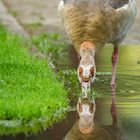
(114, 64)
(113, 107)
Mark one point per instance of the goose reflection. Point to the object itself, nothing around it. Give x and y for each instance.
(86, 128)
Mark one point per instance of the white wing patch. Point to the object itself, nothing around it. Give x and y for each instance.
(125, 7)
(61, 6)
(130, 10)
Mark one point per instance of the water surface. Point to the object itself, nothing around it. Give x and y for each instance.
(127, 96)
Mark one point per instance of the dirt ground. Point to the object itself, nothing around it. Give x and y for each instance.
(41, 16)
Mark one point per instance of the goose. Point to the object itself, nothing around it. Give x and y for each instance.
(90, 24)
(87, 128)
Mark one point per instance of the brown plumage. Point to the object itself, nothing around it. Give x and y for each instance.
(96, 22)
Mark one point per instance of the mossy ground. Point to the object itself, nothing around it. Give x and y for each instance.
(31, 96)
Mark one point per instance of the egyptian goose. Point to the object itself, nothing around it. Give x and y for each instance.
(84, 125)
(86, 109)
(86, 128)
(90, 24)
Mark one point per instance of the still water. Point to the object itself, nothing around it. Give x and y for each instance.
(127, 90)
(125, 99)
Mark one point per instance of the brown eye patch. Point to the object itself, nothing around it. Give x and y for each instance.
(80, 71)
(92, 71)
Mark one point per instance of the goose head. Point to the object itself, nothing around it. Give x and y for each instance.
(87, 68)
(86, 109)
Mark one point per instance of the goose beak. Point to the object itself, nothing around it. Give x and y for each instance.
(85, 88)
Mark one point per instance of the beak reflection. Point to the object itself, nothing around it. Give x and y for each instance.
(86, 88)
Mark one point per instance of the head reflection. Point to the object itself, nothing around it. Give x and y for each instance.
(86, 128)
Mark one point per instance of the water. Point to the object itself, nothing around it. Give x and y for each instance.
(126, 95)
(127, 90)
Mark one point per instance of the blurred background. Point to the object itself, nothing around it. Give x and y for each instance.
(38, 16)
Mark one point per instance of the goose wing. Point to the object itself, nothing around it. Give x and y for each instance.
(117, 3)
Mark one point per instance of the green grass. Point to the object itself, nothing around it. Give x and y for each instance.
(31, 96)
(53, 47)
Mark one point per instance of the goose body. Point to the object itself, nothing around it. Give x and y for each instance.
(93, 23)
(98, 21)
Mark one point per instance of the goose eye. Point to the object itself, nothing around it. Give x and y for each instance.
(92, 71)
(80, 71)
(79, 57)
